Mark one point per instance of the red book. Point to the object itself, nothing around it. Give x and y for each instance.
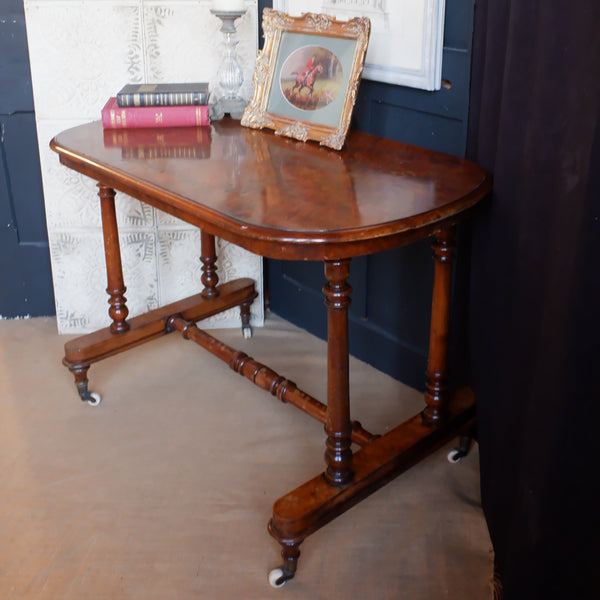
(117, 117)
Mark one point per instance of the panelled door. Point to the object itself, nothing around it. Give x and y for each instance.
(25, 275)
(391, 300)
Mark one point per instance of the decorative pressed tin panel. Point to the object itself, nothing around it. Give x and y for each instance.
(81, 53)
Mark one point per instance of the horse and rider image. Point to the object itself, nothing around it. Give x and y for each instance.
(311, 78)
(307, 78)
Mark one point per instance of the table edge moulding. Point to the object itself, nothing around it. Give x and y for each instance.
(286, 199)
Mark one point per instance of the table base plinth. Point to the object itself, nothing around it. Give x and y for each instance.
(81, 352)
(103, 343)
(309, 507)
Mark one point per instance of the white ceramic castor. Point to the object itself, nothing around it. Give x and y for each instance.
(247, 332)
(455, 455)
(96, 399)
(275, 578)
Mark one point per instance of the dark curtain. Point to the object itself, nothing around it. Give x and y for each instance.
(535, 289)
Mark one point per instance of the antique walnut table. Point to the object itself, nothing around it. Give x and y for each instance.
(285, 199)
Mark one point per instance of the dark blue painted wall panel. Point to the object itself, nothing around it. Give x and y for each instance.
(435, 120)
(416, 127)
(397, 306)
(15, 82)
(25, 274)
(20, 142)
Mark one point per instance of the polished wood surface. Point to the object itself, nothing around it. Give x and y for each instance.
(264, 377)
(116, 289)
(338, 455)
(264, 192)
(436, 374)
(287, 199)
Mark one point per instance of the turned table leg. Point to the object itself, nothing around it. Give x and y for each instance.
(437, 365)
(118, 310)
(210, 277)
(339, 473)
(338, 455)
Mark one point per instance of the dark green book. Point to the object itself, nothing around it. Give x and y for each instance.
(163, 94)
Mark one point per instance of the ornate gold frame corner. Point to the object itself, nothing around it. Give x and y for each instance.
(275, 23)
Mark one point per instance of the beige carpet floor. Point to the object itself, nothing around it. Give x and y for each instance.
(164, 490)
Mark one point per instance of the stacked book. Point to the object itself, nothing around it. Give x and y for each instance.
(157, 105)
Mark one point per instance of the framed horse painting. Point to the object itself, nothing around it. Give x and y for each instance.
(307, 76)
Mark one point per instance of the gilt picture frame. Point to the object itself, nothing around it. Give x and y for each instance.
(307, 75)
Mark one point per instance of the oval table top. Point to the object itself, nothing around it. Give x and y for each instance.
(279, 197)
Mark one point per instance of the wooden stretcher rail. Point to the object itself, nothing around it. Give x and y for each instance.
(264, 377)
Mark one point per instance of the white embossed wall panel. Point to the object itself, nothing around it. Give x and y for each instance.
(183, 42)
(82, 52)
(79, 51)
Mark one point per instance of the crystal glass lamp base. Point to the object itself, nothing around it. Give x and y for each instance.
(230, 74)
